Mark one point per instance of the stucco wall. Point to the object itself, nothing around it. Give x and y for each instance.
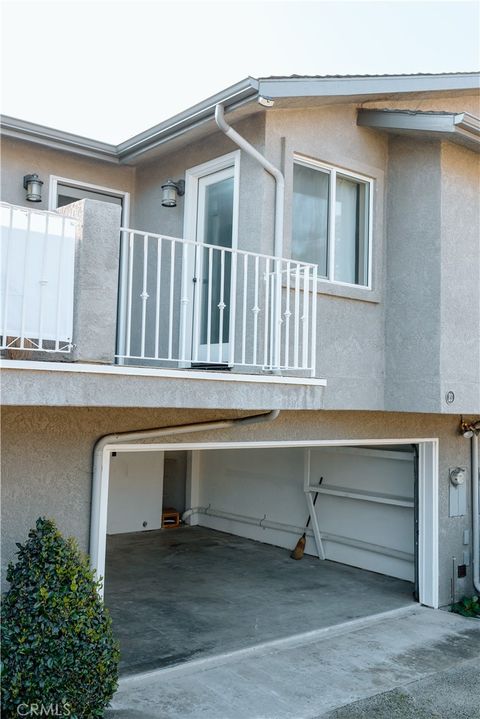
(350, 327)
(414, 275)
(460, 263)
(433, 271)
(46, 460)
(149, 215)
(21, 158)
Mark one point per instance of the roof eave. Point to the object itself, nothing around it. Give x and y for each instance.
(57, 139)
(456, 127)
(366, 85)
(232, 97)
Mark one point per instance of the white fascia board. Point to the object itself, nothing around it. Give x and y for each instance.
(119, 370)
(457, 127)
(383, 84)
(57, 139)
(231, 97)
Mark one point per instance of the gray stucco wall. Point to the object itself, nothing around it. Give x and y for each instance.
(433, 270)
(460, 263)
(21, 158)
(46, 460)
(350, 329)
(150, 216)
(414, 275)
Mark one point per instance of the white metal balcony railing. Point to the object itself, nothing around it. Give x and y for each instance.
(36, 279)
(192, 304)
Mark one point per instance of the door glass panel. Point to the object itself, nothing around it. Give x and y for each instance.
(216, 265)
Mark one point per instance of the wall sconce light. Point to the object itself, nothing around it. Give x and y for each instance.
(170, 190)
(33, 186)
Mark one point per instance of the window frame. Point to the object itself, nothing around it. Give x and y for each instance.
(332, 171)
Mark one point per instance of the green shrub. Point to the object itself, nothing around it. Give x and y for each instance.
(57, 643)
(467, 607)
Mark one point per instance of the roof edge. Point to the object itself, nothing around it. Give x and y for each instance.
(460, 127)
(43, 135)
(339, 86)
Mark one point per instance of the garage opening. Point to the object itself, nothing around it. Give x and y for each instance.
(223, 579)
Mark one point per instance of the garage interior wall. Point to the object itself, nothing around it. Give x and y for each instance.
(135, 492)
(375, 532)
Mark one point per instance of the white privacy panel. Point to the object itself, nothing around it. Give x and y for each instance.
(36, 279)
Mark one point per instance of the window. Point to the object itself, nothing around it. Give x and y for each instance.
(331, 222)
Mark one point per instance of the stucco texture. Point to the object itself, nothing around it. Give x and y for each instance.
(46, 460)
(21, 158)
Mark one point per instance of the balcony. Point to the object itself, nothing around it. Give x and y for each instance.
(181, 304)
(79, 304)
(188, 304)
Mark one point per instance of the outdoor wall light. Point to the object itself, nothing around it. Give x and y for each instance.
(170, 190)
(469, 429)
(33, 186)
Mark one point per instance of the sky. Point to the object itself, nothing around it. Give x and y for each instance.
(111, 69)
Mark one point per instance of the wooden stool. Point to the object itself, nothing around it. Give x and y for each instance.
(170, 518)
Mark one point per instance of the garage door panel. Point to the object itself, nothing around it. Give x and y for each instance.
(368, 473)
(376, 523)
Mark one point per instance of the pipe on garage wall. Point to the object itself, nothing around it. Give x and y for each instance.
(101, 466)
(295, 529)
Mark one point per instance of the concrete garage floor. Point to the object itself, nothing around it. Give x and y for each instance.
(191, 593)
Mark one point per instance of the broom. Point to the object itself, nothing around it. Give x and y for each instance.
(299, 550)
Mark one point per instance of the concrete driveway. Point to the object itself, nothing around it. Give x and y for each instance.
(411, 663)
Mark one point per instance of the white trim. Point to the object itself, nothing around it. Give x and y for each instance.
(333, 170)
(427, 494)
(55, 180)
(428, 540)
(190, 219)
(173, 373)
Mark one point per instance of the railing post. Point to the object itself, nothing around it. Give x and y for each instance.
(277, 316)
(313, 360)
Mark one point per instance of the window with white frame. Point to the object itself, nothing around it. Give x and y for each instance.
(331, 221)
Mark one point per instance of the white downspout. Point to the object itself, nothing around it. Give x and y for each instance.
(267, 165)
(101, 467)
(243, 144)
(475, 518)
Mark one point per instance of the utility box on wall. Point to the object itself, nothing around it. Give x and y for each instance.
(458, 492)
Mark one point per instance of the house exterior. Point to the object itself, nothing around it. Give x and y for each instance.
(327, 268)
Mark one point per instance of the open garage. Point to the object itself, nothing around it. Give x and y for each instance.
(223, 579)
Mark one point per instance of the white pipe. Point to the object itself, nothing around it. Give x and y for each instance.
(475, 518)
(101, 469)
(243, 144)
(297, 530)
(267, 165)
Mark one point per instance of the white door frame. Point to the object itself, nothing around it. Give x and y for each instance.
(192, 178)
(428, 566)
(55, 180)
